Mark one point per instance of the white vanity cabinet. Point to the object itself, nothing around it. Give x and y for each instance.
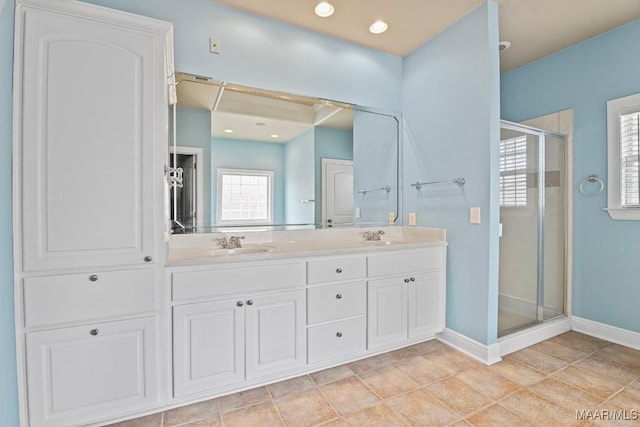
(236, 337)
(90, 140)
(405, 296)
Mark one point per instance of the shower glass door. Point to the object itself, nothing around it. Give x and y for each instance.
(532, 216)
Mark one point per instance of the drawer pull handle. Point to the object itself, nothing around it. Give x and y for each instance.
(93, 277)
(338, 270)
(250, 302)
(339, 334)
(94, 332)
(406, 280)
(413, 279)
(339, 296)
(148, 259)
(240, 303)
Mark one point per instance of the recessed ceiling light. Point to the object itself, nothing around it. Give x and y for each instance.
(324, 9)
(504, 45)
(274, 135)
(378, 27)
(261, 124)
(228, 131)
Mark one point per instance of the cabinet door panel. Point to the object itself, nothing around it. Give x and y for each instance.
(276, 335)
(425, 311)
(208, 348)
(387, 312)
(91, 372)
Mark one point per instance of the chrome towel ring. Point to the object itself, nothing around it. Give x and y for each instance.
(592, 179)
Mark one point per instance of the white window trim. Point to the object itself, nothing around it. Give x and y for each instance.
(615, 108)
(227, 171)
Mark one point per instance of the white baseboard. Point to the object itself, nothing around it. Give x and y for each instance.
(525, 338)
(606, 332)
(487, 354)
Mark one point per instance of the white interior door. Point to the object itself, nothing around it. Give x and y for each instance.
(337, 191)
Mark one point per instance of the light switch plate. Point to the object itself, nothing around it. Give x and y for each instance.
(474, 215)
(412, 218)
(392, 217)
(214, 45)
(357, 212)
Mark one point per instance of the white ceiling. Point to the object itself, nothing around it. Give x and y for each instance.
(535, 28)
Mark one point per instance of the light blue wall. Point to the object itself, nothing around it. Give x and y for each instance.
(450, 102)
(333, 144)
(584, 77)
(8, 385)
(241, 154)
(299, 178)
(194, 130)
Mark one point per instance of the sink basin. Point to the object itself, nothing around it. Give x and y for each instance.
(241, 251)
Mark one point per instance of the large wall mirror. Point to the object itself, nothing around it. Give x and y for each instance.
(257, 158)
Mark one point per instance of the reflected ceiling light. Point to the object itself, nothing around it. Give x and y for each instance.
(324, 9)
(378, 27)
(261, 124)
(274, 135)
(228, 131)
(504, 45)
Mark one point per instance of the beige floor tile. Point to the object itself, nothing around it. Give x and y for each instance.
(388, 381)
(565, 395)
(305, 408)
(559, 351)
(208, 422)
(263, 414)
(153, 420)
(244, 398)
(370, 363)
(290, 386)
(452, 359)
(628, 398)
(488, 383)
(636, 384)
(540, 361)
(400, 355)
(461, 423)
(423, 371)
(496, 415)
(458, 395)
(537, 410)
(419, 408)
(332, 374)
(349, 395)
(207, 410)
(379, 415)
(427, 346)
(609, 370)
(580, 341)
(621, 355)
(517, 372)
(588, 382)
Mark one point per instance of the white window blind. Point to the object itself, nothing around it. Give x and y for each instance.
(513, 172)
(245, 196)
(629, 152)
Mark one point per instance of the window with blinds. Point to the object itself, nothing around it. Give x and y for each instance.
(629, 155)
(513, 172)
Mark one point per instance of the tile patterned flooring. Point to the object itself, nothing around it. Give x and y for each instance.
(430, 384)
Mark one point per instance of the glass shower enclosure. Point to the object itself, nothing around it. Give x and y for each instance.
(533, 217)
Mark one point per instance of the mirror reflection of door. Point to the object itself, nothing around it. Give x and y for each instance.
(185, 204)
(337, 192)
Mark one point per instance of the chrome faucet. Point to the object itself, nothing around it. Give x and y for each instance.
(222, 241)
(234, 242)
(372, 235)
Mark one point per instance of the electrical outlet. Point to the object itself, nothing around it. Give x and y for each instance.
(474, 215)
(412, 218)
(214, 45)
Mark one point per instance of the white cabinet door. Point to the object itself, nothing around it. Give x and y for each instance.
(91, 128)
(425, 304)
(208, 346)
(83, 374)
(387, 311)
(276, 335)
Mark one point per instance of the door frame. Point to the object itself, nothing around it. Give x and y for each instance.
(327, 161)
(198, 153)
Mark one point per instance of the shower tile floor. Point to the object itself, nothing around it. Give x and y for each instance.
(430, 384)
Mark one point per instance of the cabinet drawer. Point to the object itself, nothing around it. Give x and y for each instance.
(337, 339)
(334, 269)
(88, 296)
(334, 302)
(405, 262)
(238, 280)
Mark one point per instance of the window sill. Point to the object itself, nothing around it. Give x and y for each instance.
(624, 213)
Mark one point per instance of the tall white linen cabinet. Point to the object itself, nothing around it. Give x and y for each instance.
(90, 137)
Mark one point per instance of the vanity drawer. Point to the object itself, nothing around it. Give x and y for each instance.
(237, 280)
(334, 269)
(405, 262)
(336, 339)
(334, 302)
(88, 296)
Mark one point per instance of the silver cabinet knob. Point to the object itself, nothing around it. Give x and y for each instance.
(94, 332)
(339, 334)
(413, 279)
(406, 280)
(338, 270)
(148, 259)
(339, 296)
(240, 303)
(93, 277)
(250, 302)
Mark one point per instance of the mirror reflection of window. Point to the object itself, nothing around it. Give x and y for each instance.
(245, 197)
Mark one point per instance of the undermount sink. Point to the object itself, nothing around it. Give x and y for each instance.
(240, 251)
